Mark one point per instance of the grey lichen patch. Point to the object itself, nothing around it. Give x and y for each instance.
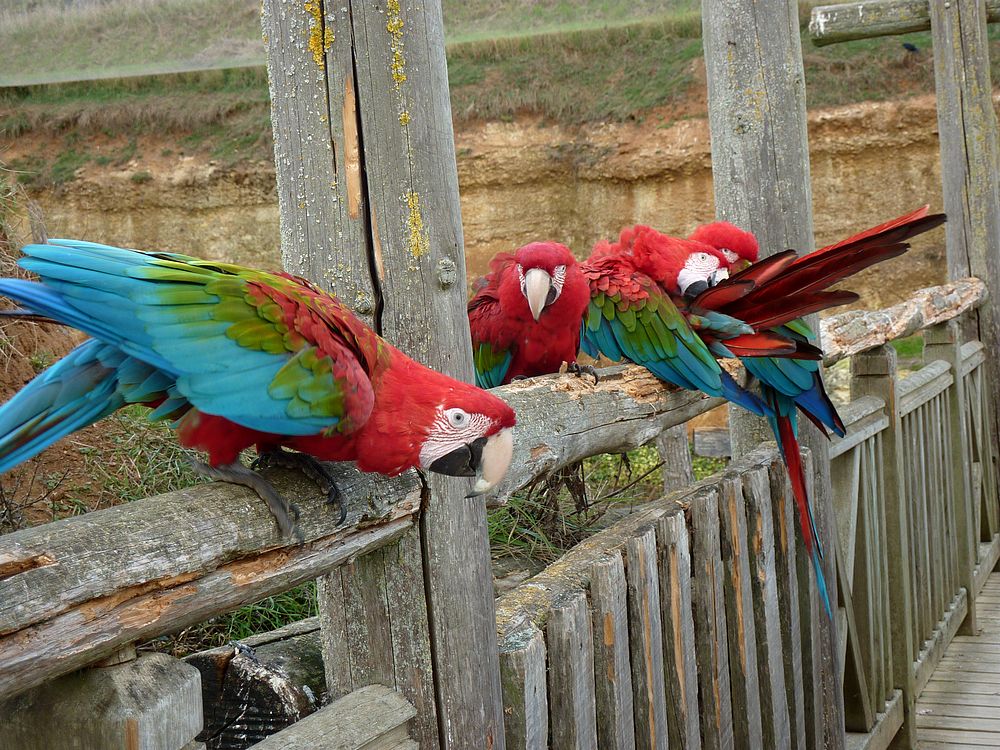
(363, 303)
(447, 273)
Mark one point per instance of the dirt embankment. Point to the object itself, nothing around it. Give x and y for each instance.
(525, 180)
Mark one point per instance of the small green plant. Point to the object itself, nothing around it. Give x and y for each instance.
(40, 360)
(141, 177)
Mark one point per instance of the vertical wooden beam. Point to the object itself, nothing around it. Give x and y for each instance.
(967, 130)
(945, 342)
(525, 701)
(760, 170)
(368, 193)
(678, 632)
(612, 666)
(760, 150)
(675, 452)
(649, 701)
(873, 373)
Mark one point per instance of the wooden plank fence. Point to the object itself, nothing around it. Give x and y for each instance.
(717, 590)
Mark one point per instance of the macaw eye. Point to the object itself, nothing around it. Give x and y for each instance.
(731, 256)
(558, 279)
(457, 418)
(702, 262)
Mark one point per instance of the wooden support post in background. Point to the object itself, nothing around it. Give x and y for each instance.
(368, 194)
(873, 373)
(967, 129)
(760, 171)
(675, 452)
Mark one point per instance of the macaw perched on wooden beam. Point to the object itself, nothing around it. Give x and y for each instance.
(237, 358)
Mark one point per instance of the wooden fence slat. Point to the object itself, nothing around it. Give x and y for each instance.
(646, 641)
(612, 666)
(674, 561)
(786, 567)
(711, 642)
(572, 707)
(525, 701)
(763, 578)
(742, 636)
(874, 373)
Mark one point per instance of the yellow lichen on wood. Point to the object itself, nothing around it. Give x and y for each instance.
(320, 35)
(419, 242)
(404, 118)
(394, 25)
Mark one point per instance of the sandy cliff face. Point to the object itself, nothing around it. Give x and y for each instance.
(524, 180)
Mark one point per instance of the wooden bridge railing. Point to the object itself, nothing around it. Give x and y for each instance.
(77, 591)
(695, 619)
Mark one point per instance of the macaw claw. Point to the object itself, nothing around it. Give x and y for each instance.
(309, 466)
(285, 513)
(581, 370)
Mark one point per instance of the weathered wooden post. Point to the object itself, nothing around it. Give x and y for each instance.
(760, 168)
(967, 129)
(368, 193)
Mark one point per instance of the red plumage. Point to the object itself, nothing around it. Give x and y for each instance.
(500, 316)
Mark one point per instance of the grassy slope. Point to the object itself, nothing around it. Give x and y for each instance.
(616, 73)
(133, 37)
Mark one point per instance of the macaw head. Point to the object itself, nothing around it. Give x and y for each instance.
(680, 266)
(739, 247)
(538, 278)
(428, 420)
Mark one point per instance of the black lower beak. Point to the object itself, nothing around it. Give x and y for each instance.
(461, 462)
(695, 288)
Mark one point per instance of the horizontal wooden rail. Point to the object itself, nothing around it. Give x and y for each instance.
(74, 591)
(831, 24)
(858, 330)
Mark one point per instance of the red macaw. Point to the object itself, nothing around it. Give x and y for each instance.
(637, 312)
(787, 383)
(239, 358)
(525, 314)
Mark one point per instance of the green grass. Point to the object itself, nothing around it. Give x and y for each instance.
(261, 617)
(910, 348)
(546, 519)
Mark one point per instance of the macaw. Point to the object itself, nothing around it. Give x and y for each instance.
(787, 383)
(525, 314)
(237, 358)
(637, 312)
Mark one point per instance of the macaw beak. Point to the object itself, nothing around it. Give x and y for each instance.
(486, 459)
(691, 283)
(536, 289)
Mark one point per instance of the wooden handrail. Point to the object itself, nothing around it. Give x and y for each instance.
(831, 24)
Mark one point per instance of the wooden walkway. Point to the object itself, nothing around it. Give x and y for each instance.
(960, 707)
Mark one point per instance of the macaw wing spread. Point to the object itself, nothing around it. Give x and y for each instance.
(261, 350)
